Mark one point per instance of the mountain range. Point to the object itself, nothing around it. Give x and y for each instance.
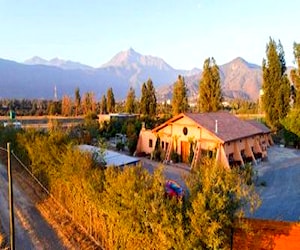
(37, 77)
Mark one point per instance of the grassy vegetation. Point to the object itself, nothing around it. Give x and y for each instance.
(128, 208)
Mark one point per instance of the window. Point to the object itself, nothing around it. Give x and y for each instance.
(162, 144)
(150, 143)
(185, 130)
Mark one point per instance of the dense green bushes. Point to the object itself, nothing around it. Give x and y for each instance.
(127, 208)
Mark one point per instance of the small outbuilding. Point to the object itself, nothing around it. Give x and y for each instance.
(110, 158)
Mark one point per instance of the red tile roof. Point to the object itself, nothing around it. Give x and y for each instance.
(229, 127)
(260, 126)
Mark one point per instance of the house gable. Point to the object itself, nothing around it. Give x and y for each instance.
(186, 129)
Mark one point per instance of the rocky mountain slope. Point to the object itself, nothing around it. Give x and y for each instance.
(239, 79)
(37, 77)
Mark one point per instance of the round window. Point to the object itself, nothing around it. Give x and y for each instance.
(185, 130)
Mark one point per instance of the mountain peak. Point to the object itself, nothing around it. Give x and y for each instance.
(123, 58)
(131, 58)
(57, 62)
(35, 60)
(241, 62)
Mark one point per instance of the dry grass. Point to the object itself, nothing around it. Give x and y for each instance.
(70, 234)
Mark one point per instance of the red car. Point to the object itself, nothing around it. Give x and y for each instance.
(173, 189)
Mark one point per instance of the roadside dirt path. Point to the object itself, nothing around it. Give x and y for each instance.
(31, 230)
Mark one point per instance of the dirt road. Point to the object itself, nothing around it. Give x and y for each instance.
(31, 230)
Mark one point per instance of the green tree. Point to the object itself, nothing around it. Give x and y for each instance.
(88, 103)
(144, 102)
(151, 98)
(111, 103)
(210, 93)
(295, 77)
(141, 216)
(276, 86)
(66, 105)
(148, 99)
(218, 197)
(130, 101)
(179, 99)
(103, 106)
(292, 121)
(77, 101)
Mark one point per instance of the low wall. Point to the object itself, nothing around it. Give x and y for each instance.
(266, 234)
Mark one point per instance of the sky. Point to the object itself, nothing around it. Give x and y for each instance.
(182, 32)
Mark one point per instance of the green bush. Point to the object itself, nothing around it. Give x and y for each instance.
(175, 157)
(120, 146)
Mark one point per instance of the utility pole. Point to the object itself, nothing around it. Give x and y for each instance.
(11, 203)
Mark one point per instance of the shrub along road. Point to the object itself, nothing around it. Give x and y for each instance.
(278, 183)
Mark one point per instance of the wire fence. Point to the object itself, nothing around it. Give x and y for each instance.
(54, 199)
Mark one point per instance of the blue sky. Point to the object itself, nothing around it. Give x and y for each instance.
(182, 32)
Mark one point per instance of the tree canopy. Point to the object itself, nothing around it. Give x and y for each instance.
(77, 101)
(110, 101)
(103, 106)
(179, 99)
(148, 99)
(210, 93)
(295, 77)
(217, 198)
(130, 101)
(276, 86)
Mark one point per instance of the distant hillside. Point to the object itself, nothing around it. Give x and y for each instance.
(239, 79)
(37, 77)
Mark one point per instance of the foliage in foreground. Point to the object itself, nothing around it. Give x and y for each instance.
(218, 198)
(128, 209)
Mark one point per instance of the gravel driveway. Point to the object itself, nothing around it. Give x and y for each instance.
(280, 192)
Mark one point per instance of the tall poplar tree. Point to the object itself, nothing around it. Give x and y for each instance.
(210, 93)
(276, 86)
(152, 98)
(66, 105)
(103, 105)
(144, 102)
(148, 99)
(130, 101)
(77, 101)
(179, 99)
(88, 103)
(111, 103)
(295, 77)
